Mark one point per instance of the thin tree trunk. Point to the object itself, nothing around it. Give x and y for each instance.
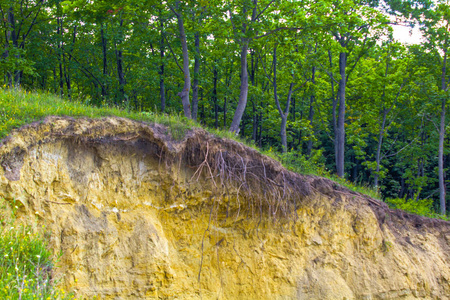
(335, 101)
(67, 65)
(225, 113)
(162, 89)
(202, 112)
(55, 82)
(255, 121)
(252, 80)
(311, 112)
(13, 75)
(196, 76)
(283, 133)
(340, 137)
(441, 160)
(284, 115)
(216, 106)
(184, 94)
(105, 62)
(120, 73)
(5, 55)
(243, 89)
(442, 191)
(380, 142)
(60, 57)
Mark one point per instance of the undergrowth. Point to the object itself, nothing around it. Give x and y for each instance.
(421, 207)
(25, 263)
(315, 165)
(18, 108)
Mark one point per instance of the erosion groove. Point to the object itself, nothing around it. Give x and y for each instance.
(137, 214)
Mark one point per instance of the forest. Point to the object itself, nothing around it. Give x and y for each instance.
(323, 83)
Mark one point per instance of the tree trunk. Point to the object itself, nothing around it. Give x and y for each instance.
(184, 94)
(255, 121)
(311, 112)
(441, 159)
(216, 106)
(243, 89)
(284, 115)
(340, 136)
(335, 101)
(225, 113)
(60, 57)
(196, 76)
(105, 62)
(442, 191)
(162, 89)
(120, 74)
(380, 142)
(13, 75)
(67, 65)
(283, 133)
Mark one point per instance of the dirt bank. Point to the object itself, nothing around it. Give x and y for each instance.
(137, 214)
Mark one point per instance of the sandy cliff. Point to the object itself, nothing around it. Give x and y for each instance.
(138, 215)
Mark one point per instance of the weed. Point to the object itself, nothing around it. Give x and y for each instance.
(25, 264)
(386, 246)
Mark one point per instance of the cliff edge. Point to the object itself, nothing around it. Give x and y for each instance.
(136, 214)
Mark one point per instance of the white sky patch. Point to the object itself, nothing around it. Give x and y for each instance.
(407, 35)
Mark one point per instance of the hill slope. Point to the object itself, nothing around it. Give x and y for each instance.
(137, 214)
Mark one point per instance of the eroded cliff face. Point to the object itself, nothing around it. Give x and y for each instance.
(137, 215)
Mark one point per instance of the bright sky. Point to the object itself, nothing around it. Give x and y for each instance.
(404, 34)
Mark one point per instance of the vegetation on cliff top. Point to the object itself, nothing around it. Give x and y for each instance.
(18, 108)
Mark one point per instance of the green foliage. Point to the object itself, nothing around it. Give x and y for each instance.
(422, 207)
(25, 264)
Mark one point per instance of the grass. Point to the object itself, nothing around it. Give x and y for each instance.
(25, 263)
(18, 108)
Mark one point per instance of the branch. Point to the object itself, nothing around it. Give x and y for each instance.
(173, 54)
(328, 72)
(264, 68)
(26, 17)
(265, 8)
(288, 104)
(278, 29)
(357, 60)
(390, 155)
(32, 24)
(174, 11)
(84, 69)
